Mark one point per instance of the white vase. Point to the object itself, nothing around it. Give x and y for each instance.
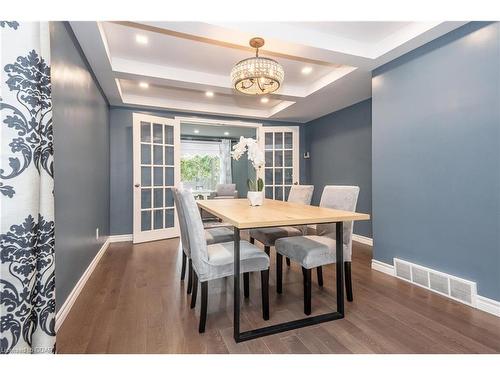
(256, 198)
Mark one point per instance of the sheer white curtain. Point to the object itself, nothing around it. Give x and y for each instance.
(225, 161)
(27, 270)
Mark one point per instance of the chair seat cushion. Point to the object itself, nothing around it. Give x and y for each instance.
(268, 236)
(221, 257)
(309, 251)
(218, 234)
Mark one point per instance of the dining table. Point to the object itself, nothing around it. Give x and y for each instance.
(274, 213)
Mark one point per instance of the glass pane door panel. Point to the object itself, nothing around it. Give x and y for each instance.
(169, 176)
(278, 176)
(278, 158)
(288, 158)
(157, 155)
(269, 158)
(288, 140)
(157, 133)
(268, 176)
(146, 220)
(169, 135)
(278, 193)
(169, 197)
(145, 131)
(146, 198)
(278, 141)
(169, 155)
(146, 176)
(158, 198)
(268, 139)
(288, 176)
(145, 154)
(169, 218)
(269, 192)
(158, 219)
(158, 176)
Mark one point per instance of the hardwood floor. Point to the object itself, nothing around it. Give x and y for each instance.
(134, 302)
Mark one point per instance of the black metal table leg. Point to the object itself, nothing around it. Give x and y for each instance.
(339, 242)
(236, 297)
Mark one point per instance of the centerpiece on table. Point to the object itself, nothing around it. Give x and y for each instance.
(256, 156)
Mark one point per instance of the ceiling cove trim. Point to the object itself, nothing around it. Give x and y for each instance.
(215, 122)
(219, 43)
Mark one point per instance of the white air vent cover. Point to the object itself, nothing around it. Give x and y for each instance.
(420, 276)
(461, 290)
(403, 269)
(453, 287)
(439, 283)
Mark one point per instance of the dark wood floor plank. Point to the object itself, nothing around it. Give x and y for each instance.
(134, 302)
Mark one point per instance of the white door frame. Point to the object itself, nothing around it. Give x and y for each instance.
(154, 234)
(259, 127)
(296, 143)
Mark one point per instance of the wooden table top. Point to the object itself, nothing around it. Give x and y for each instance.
(240, 214)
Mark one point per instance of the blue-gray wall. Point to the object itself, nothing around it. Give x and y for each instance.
(121, 195)
(81, 160)
(242, 170)
(436, 156)
(340, 146)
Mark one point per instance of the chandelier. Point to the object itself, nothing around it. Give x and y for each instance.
(257, 75)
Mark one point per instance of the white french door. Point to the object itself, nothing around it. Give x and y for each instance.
(156, 149)
(281, 149)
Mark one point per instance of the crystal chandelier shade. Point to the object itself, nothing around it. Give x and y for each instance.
(257, 75)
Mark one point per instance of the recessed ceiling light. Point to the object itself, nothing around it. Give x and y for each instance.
(226, 133)
(264, 100)
(141, 39)
(143, 85)
(307, 70)
(209, 94)
(196, 131)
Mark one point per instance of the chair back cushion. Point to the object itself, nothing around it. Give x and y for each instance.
(182, 223)
(195, 230)
(341, 198)
(301, 194)
(225, 189)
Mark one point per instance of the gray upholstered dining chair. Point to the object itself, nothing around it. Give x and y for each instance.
(224, 191)
(212, 235)
(301, 194)
(314, 251)
(215, 261)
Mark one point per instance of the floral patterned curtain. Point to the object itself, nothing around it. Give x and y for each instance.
(27, 277)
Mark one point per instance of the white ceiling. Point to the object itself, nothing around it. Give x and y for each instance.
(181, 61)
(364, 32)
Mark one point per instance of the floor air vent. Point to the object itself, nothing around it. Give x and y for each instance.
(450, 286)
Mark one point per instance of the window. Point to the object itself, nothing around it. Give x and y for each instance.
(200, 164)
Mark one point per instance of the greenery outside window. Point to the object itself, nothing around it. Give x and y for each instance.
(200, 165)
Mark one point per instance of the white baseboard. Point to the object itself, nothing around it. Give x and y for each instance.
(362, 239)
(70, 300)
(489, 305)
(482, 303)
(121, 238)
(383, 267)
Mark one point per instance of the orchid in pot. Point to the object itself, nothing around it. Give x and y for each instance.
(256, 156)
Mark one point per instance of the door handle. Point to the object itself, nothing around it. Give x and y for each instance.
(137, 185)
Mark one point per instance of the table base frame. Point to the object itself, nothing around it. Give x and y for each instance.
(294, 324)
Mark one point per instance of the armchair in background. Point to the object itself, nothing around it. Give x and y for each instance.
(224, 191)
